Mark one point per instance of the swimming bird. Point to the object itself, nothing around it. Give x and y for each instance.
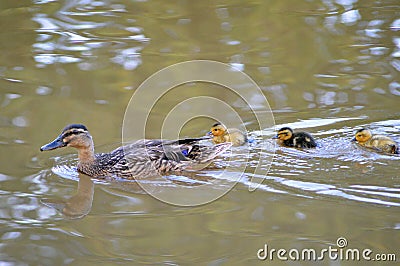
(222, 134)
(287, 137)
(381, 143)
(140, 158)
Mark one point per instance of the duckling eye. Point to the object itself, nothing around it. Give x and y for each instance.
(215, 129)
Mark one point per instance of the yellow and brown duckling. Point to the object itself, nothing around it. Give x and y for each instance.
(140, 158)
(380, 143)
(287, 137)
(221, 134)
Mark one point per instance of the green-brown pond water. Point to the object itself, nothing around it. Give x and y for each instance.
(326, 67)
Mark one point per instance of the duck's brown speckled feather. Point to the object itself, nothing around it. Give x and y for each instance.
(149, 157)
(138, 159)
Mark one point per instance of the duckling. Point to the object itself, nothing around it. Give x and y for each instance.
(381, 143)
(140, 158)
(221, 134)
(288, 138)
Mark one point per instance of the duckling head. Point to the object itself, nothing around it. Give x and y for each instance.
(284, 133)
(362, 135)
(217, 129)
(74, 135)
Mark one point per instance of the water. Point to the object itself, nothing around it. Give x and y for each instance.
(325, 67)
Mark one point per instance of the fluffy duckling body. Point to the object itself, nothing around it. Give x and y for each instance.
(288, 138)
(381, 143)
(222, 134)
(140, 158)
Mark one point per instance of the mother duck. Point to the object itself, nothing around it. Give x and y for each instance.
(140, 158)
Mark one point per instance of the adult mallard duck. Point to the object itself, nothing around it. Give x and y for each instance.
(288, 138)
(381, 143)
(140, 158)
(222, 134)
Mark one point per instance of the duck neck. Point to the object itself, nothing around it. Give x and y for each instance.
(86, 155)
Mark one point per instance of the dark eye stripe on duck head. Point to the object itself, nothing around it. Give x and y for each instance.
(285, 133)
(73, 131)
(64, 138)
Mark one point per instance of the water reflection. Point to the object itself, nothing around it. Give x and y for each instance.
(80, 61)
(65, 38)
(82, 32)
(80, 204)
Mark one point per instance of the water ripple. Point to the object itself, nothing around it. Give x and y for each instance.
(336, 168)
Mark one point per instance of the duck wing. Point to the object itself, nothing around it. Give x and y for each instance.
(150, 157)
(185, 149)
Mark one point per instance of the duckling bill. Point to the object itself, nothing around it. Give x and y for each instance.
(221, 134)
(288, 138)
(140, 158)
(380, 143)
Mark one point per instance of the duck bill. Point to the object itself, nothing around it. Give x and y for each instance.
(209, 133)
(57, 143)
(275, 137)
(353, 140)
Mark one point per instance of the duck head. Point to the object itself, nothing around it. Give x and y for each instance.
(362, 135)
(217, 129)
(74, 135)
(284, 133)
